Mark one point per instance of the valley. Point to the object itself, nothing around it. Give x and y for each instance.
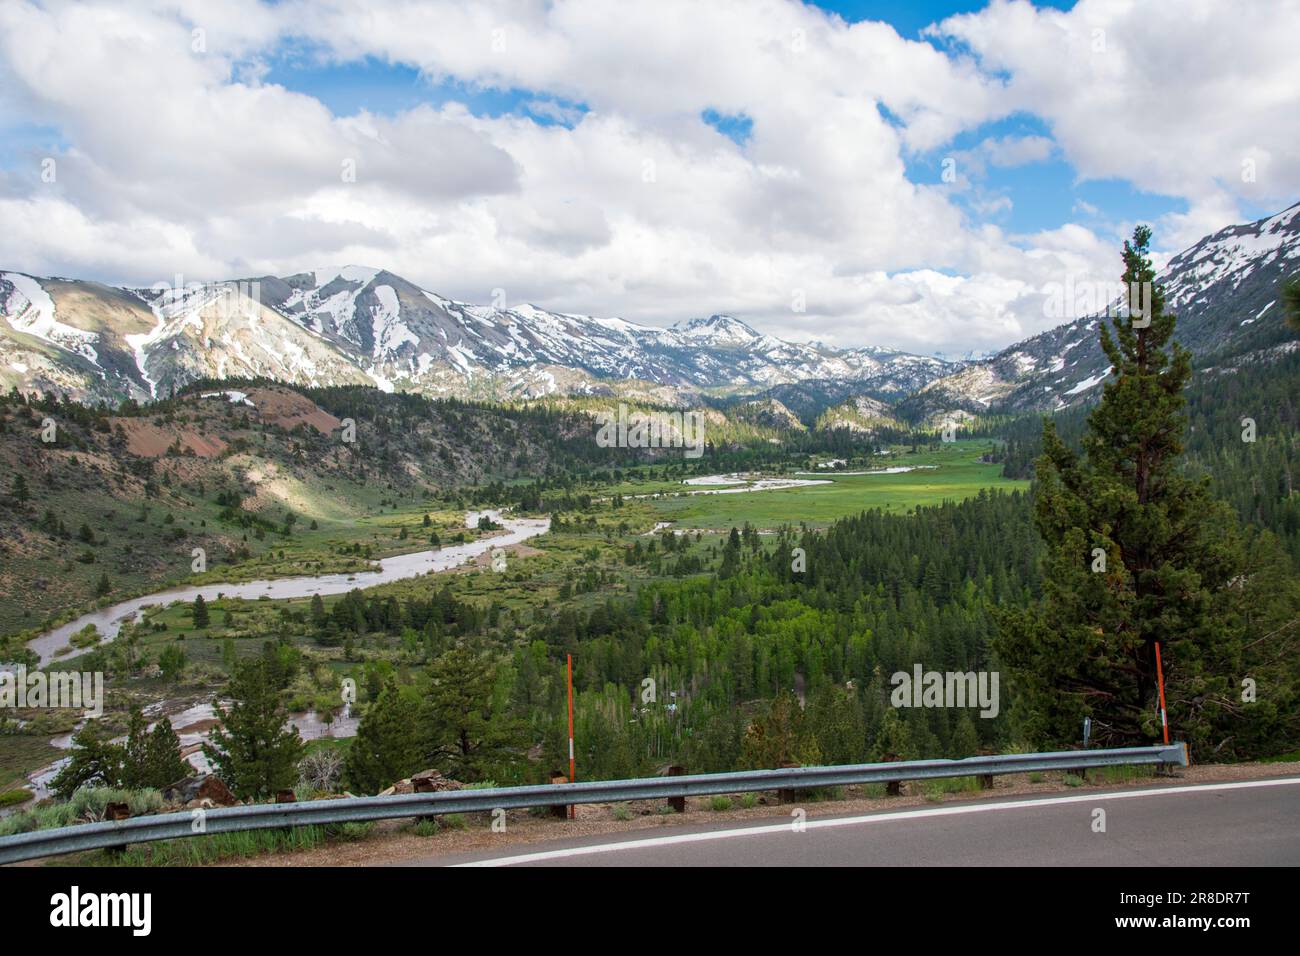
(444, 545)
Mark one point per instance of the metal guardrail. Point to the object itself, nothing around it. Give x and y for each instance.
(190, 823)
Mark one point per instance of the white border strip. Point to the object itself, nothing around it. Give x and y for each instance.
(871, 818)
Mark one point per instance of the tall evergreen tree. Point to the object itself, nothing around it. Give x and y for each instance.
(1137, 554)
(467, 734)
(387, 746)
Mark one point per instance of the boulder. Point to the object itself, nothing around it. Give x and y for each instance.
(426, 781)
(182, 791)
(213, 789)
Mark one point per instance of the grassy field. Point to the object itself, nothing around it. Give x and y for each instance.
(956, 474)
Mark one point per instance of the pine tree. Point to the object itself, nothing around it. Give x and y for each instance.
(965, 742)
(467, 734)
(838, 725)
(95, 759)
(151, 758)
(317, 612)
(200, 612)
(1291, 301)
(1137, 553)
(893, 739)
(387, 747)
(253, 751)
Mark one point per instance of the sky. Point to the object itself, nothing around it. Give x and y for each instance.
(917, 175)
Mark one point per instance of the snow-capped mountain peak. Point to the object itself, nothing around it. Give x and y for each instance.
(719, 331)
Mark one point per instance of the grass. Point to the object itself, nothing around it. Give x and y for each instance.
(720, 803)
(1122, 773)
(11, 798)
(196, 851)
(1290, 756)
(426, 827)
(20, 754)
(936, 790)
(957, 475)
(86, 805)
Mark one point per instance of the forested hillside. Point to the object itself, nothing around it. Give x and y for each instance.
(1258, 477)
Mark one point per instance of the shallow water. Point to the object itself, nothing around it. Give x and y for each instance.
(109, 620)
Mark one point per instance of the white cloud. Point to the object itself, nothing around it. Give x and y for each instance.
(191, 161)
(1177, 98)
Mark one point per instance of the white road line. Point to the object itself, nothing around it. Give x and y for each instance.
(873, 818)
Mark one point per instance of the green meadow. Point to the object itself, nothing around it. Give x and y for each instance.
(954, 474)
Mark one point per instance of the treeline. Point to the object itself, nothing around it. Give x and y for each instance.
(878, 594)
(1257, 477)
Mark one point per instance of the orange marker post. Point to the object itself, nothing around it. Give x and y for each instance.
(569, 658)
(1160, 677)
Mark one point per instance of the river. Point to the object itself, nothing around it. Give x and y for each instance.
(109, 620)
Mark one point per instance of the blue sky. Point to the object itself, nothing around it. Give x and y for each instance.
(910, 17)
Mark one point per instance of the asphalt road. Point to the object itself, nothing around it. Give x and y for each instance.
(1253, 823)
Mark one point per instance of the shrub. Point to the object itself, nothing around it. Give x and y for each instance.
(321, 769)
(11, 798)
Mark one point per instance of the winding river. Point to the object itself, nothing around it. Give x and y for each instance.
(109, 620)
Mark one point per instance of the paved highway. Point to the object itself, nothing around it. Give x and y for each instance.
(1235, 824)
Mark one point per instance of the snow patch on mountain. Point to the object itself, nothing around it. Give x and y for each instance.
(29, 308)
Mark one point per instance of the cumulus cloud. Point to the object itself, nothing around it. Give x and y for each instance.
(1193, 98)
(606, 191)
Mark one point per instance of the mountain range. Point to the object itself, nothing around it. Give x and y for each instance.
(355, 325)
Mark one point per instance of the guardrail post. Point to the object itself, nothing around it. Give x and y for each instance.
(985, 780)
(788, 794)
(677, 803)
(559, 809)
(116, 811)
(893, 788)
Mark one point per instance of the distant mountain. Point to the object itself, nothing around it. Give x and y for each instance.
(357, 325)
(860, 414)
(1224, 290)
